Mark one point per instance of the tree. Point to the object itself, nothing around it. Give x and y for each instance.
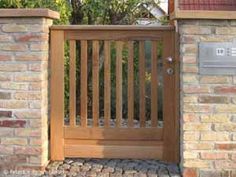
(109, 12)
(77, 12)
(62, 6)
(112, 12)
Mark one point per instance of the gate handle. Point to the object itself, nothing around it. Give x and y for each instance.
(170, 60)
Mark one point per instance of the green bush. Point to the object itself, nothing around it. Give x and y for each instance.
(62, 6)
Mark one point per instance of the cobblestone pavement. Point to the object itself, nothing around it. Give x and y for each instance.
(107, 168)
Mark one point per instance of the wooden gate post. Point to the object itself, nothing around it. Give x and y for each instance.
(170, 104)
(57, 95)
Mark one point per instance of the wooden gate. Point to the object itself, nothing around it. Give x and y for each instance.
(122, 100)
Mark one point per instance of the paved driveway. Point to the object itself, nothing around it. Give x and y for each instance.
(102, 168)
(112, 168)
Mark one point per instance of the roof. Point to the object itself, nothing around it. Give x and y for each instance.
(203, 9)
(214, 5)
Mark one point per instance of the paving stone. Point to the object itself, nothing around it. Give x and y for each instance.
(69, 161)
(173, 169)
(61, 175)
(108, 168)
(91, 174)
(65, 167)
(128, 174)
(118, 170)
(140, 174)
(142, 169)
(175, 175)
(130, 171)
(75, 169)
(116, 174)
(85, 168)
(152, 172)
(77, 164)
(163, 172)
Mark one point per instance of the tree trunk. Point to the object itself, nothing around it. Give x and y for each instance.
(77, 13)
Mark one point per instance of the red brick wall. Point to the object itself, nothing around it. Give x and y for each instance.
(207, 5)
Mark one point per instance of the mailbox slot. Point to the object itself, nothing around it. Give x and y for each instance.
(217, 58)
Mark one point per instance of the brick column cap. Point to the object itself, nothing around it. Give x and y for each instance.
(38, 12)
(203, 14)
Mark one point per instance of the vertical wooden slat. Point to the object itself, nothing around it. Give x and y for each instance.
(142, 105)
(72, 83)
(119, 48)
(131, 84)
(95, 83)
(169, 108)
(154, 85)
(57, 95)
(107, 83)
(84, 84)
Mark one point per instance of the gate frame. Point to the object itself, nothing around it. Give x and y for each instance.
(171, 121)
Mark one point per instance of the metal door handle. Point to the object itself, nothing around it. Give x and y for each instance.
(170, 60)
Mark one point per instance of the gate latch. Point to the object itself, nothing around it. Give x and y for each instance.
(170, 71)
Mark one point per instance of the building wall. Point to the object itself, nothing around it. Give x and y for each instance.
(24, 92)
(208, 104)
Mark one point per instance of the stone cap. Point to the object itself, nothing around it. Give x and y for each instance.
(203, 14)
(44, 13)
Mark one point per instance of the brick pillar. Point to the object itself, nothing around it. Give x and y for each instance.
(208, 103)
(24, 38)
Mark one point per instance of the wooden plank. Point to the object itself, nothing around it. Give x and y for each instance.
(154, 85)
(72, 83)
(105, 28)
(57, 95)
(142, 104)
(98, 151)
(114, 142)
(107, 83)
(119, 48)
(171, 5)
(169, 107)
(131, 84)
(84, 84)
(127, 35)
(95, 83)
(98, 133)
